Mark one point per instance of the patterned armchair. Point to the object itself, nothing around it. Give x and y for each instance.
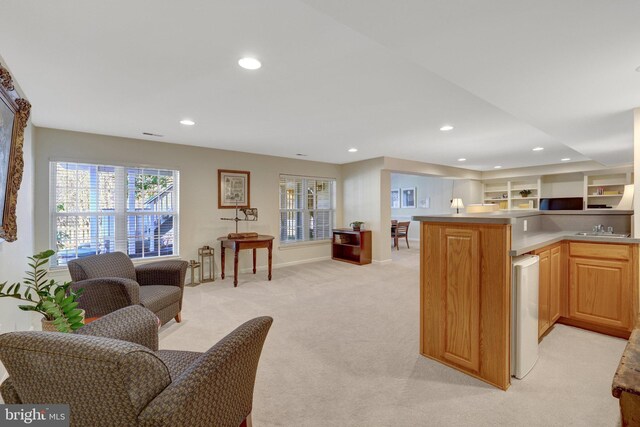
(110, 282)
(111, 373)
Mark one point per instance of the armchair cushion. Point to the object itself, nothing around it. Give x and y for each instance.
(115, 264)
(162, 273)
(157, 297)
(177, 361)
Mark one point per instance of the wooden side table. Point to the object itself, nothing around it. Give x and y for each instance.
(262, 241)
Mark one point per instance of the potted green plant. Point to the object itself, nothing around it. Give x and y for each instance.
(356, 225)
(57, 303)
(525, 193)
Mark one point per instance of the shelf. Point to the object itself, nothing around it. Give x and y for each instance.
(524, 198)
(500, 190)
(607, 185)
(353, 245)
(604, 195)
(496, 200)
(356, 250)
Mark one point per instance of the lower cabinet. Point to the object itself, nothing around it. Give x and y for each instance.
(601, 288)
(550, 286)
(590, 285)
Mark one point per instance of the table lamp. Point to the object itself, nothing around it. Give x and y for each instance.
(457, 204)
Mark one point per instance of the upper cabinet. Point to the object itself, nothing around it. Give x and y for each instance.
(600, 190)
(605, 191)
(521, 193)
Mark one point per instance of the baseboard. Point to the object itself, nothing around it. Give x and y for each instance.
(384, 261)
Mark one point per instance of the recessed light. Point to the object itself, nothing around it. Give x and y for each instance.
(566, 159)
(446, 128)
(187, 122)
(352, 150)
(538, 149)
(249, 63)
(462, 159)
(497, 167)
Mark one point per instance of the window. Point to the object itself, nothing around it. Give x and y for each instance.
(98, 209)
(307, 208)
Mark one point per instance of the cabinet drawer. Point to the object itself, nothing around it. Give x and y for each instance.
(599, 250)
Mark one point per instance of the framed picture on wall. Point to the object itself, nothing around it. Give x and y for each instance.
(233, 189)
(408, 197)
(14, 114)
(395, 198)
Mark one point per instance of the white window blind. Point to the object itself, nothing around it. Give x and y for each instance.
(307, 208)
(99, 209)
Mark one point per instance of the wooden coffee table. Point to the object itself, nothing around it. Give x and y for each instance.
(255, 243)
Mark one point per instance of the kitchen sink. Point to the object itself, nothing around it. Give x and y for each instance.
(592, 234)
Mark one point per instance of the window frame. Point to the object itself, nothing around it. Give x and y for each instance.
(305, 211)
(121, 237)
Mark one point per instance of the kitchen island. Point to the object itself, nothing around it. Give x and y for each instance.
(465, 276)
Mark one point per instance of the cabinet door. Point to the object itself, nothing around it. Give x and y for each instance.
(543, 291)
(461, 281)
(555, 281)
(600, 291)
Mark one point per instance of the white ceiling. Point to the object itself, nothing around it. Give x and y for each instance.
(382, 76)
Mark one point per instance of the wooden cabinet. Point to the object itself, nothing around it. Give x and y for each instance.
(555, 283)
(603, 288)
(589, 285)
(550, 285)
(465, 284)
(351, 246)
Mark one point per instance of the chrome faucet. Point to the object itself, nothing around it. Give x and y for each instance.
(598, 228)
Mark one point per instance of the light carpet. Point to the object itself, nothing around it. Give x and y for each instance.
(343, 351)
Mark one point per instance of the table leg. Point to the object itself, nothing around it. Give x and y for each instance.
(270, 257)
(254, 260)
(221, 260)
(235, 267)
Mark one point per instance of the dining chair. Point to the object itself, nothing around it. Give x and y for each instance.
(401, 230)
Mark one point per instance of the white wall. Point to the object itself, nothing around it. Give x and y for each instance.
(563, 185)
(199, 218)
(362, 183)
(437, 190)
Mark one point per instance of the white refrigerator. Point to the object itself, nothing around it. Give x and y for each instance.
(524, 315)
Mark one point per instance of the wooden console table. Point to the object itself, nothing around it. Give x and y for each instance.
(262, 241)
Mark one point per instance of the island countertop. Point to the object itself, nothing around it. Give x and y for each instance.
(509, 217)
(531, 241)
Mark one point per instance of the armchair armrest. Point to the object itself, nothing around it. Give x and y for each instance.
(162, 273)
(9, 393)
(106, 294)
(218, 387)
(134, 324)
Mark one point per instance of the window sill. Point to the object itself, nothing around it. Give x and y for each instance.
(137, 261)
(294, 245)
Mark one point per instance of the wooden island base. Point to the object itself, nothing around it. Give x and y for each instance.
(465, 298)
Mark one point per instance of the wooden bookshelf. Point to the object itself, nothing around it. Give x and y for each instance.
(351, 246)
